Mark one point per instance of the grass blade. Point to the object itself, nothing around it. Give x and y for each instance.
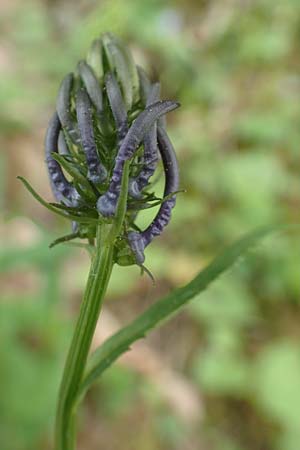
(120, 342)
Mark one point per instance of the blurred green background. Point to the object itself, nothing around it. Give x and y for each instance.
(225, 373)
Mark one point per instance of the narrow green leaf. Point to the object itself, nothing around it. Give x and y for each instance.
(87, 212)
(120, 342)
(81, 219)
(62, 239)
(156, 201)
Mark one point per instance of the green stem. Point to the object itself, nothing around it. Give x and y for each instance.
(100, 272)
(98, 279)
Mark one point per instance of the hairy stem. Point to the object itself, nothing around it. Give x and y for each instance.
(98, 279)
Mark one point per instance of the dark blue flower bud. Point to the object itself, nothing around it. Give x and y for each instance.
(109, 113)
(117, 105)
(138, 241)
(150, 156)
(107, 203)
(63, 107)
(96, 171)
(91, 85)
(62, 189)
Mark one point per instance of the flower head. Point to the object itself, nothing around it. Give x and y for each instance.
(107, 113)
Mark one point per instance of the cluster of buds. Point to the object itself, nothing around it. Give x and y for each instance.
(109, 112)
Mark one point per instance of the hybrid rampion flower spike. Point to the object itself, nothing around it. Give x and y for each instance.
(110, 124)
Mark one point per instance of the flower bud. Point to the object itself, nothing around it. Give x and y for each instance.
(107, 113)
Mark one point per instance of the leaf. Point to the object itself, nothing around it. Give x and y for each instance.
(88, 212)
(81, 219)
(62, 239)
(120, 342)
(156, 201)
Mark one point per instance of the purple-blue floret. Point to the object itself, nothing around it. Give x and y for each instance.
(96, 171)
(150, 155)
(63, 107)
(138, 241)
(62, 189)
(107, 203)
(117, 105)
(91, 85)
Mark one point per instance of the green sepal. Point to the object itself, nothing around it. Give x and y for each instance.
(123, 255)
(80, 210)
(140, 204)
(84, 232)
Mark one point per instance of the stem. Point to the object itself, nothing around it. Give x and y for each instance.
(98, 279)
(100, 272)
